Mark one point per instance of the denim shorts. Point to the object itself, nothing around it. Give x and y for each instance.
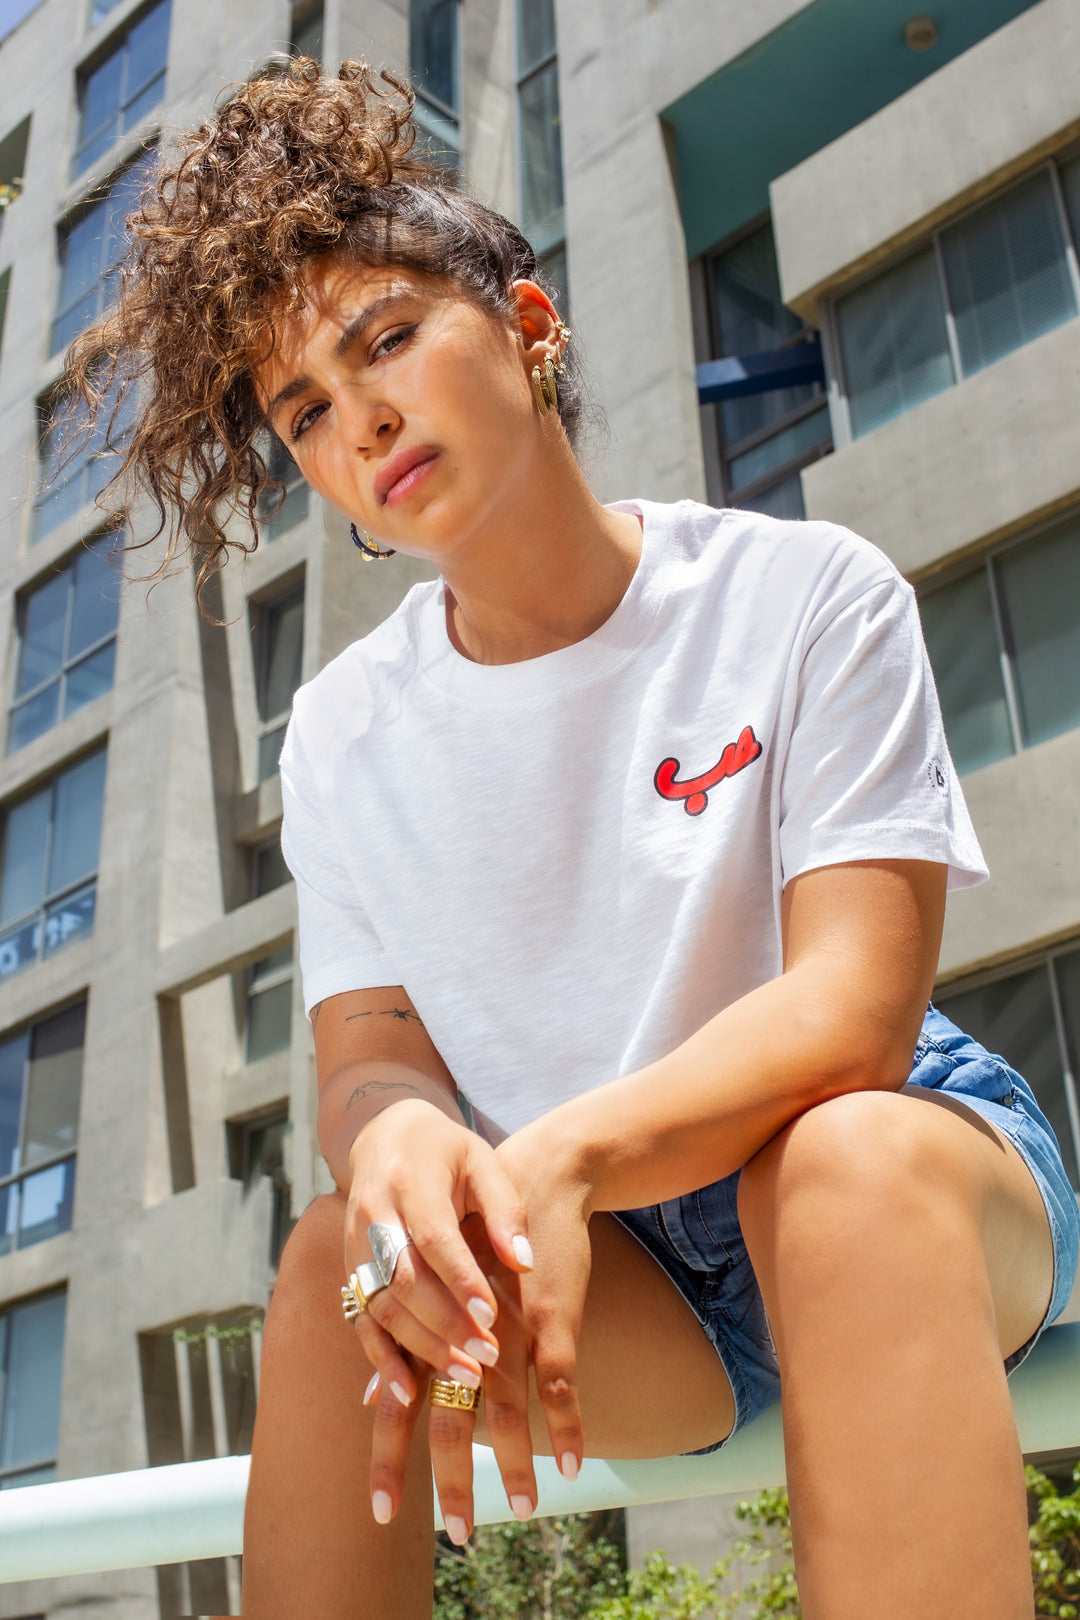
(698, 1242)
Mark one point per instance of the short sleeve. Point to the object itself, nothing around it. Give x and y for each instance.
(866, 772)
(339, 949)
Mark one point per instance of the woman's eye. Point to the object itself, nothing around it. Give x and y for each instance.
(391, 341)
(303, 422)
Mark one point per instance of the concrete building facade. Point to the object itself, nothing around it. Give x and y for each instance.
(882, 208)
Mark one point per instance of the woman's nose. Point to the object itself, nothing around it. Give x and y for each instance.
(367, 423)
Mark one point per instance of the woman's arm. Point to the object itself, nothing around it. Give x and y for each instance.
(861, 945)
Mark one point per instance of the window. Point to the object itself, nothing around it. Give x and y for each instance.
(1004, 642)
(48, 865)
(257, 1152)
(280, 512)
(999, 277)
(5, 287)
(306, 38)
(765, 438)
(67, 643)
(40, 1085)
(31, 1360)
(434, 50)
(74, 466)
(540, 137)
(279, 641)
(268, 867)
(100, 9)
(122, 86)
(268, 1027)
(1032, 1019)
(90, 250)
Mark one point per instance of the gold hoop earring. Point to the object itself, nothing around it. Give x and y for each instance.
(544, 386)
(367, 548)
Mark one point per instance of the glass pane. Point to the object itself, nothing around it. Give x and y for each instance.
(958, 624)
(9, 1218)
(44, 617)
(147, 50)
(100, 9)
(20, 947)
(22, 877)
(80, 272)
(750, 318)
(31, 1421)
(54, 1084)
(148, 97)
(783, 500)
(307, 36)
(894, 344)
(77, 822)
(284, 627)
(553, 265)
(1040, 584)
(1008, 279)
(12, 1074)
(784, 446)
(433, 45)
(270, 752)
(29, 1476)
(1070, 185)
(46, 1203)
(293, 510)
(33, 717)
(270, 869)
(101, 97)
(267, 966)
(70, 919)
(541, 147)
(89, 679)
(1067, 969)
(535, 32)
(269, 1025)
(1015, 1018)
(92, 149)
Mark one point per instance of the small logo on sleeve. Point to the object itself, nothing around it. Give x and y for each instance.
(937, 775)
(694, 791)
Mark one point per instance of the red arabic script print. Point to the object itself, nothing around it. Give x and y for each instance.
(695, 792)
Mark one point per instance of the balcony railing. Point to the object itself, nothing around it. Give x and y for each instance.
(195, 1510)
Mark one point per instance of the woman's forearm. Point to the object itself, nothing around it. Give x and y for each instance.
(352, 1096)
(702, 1111)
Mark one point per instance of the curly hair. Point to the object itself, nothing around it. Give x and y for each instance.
(293, 166)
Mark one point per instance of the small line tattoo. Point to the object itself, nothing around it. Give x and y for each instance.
(378, 1085)
(315, 1011)
(404, 1013)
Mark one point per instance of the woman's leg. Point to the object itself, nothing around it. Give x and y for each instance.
(650, 1381)
(903, 1251)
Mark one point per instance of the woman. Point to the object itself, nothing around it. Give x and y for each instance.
(621, 856)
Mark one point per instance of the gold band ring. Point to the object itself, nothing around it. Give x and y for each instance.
(459, 1397)
(362, 1285)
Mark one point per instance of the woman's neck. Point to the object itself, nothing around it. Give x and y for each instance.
(555, 572)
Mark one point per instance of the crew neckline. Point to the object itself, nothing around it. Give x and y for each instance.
(549, 673)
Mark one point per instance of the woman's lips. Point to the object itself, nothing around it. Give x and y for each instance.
(402, 487)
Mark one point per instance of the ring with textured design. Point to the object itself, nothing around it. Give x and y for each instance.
(446, 1392)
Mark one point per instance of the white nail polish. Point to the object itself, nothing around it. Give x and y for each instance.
(465, 1375)
(372, 1389)
(522, 1251)
(382, 1507)
(457, 1529)
(481, 1313)
(402, 1394)
(523, 1508)
(569, 1466)
(486, 1354)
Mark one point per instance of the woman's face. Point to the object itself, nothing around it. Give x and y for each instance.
(407, 406)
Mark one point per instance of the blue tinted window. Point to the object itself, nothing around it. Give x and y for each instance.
(120, 88)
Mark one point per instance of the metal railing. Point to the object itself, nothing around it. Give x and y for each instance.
(195, 1510)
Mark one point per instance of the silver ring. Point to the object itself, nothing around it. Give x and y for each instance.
(388, 1244)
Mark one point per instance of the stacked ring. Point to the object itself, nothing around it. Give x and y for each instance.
(459, 1397)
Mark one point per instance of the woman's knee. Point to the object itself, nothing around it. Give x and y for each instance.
(870, 1151)
(315, 1249)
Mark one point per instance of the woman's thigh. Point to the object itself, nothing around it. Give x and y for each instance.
(650, 1382)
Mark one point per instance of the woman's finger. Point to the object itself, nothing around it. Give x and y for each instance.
(554, 1357)
(391, 1365)
(506, 1402)
(450, 1434)
(392, 1436)
(496, 1198)
(429, 1300)
(388, 1322)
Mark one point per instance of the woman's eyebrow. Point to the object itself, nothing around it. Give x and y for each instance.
(353, 332)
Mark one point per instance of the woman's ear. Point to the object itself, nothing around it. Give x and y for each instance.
(537, 317)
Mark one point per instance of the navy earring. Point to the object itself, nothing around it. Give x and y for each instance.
(368, 551)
